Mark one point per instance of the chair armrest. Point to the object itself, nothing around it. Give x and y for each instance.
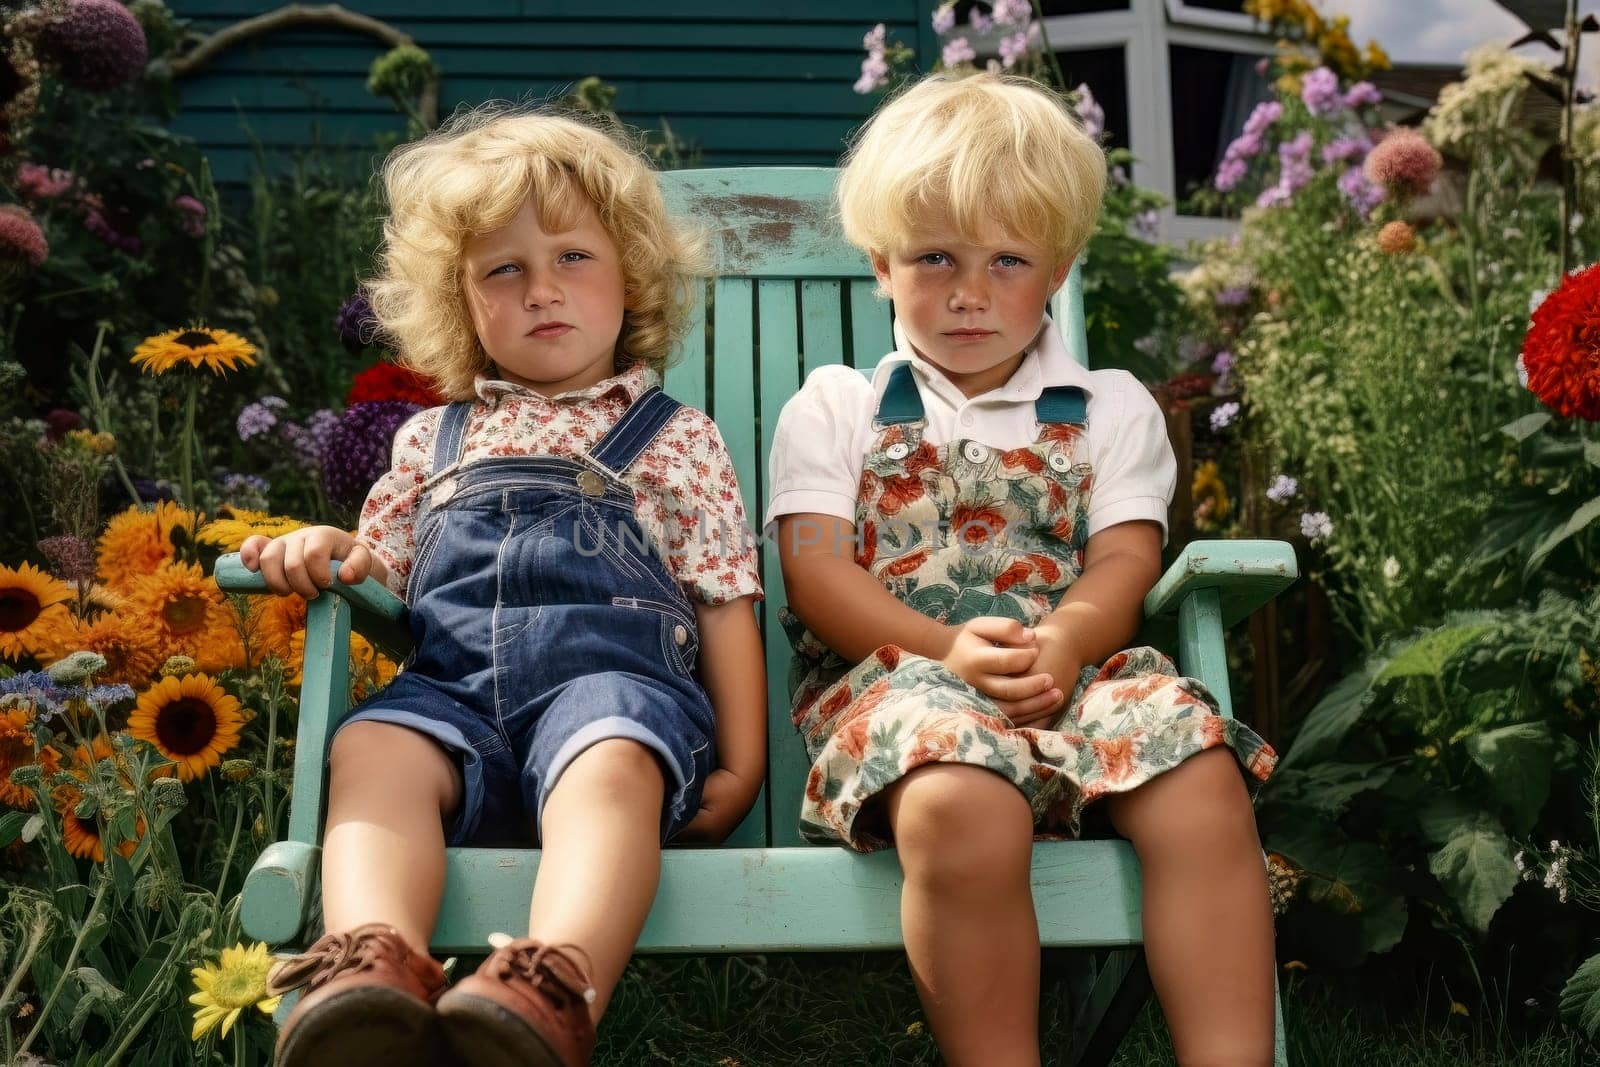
(1246, 575)
(378, 613)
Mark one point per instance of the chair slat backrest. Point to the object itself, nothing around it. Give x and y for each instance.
(789, 296)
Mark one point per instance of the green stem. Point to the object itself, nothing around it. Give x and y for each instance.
(66, 968)
(187, 456)
(35, 937)
(97, 407)
(1044, 45)
(227, 860)
(1569, 85)
(273, 693)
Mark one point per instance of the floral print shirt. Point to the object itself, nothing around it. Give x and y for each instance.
(685, 492)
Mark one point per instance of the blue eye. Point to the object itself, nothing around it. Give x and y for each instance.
(580, 255)
(1010, 261)
(502, 267)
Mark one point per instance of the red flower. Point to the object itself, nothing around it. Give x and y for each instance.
(869, 544)
(977, 525)
(1115, 757)
(1048, 570)
(889, 656)
(1017, 572)
(390, 381)
(1026, 458)
(907, 564)
(1562, 350)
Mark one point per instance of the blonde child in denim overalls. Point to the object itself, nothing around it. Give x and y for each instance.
(587, 670)
(967, 539)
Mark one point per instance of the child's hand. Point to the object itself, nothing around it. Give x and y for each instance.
(723, 803)
(301, 561)
(992, 653)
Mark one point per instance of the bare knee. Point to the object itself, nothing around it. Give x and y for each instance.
(960, 826)
(615, 770)
(379, 758)
(1200, 806)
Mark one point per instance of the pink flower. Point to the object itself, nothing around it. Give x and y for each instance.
(191, 215)
(36, 182)
(21, 237)
(944, 18)
(1403, 162)
(1362, 94)
(958, 51)
(96, 44)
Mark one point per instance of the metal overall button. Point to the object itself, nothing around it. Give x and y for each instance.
(680, 635)
(591, 484)
(898, 450)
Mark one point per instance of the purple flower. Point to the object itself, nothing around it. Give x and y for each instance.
(1319, 91)
(1233, 296)
(1223, 415)
(357, 325)
(944, 18)
(1362, 194)
(96, 44)
(1011, 12)
(1231, 171)
(1351, 146)
(1262, 118)
(35, 688)
(1363, 94)
(1013, 48)
(357, 450)
(308, 443)
(1282, 489)
(1315, 525)
(245, 490)
(261, 416)
(191, 215)
(958, 51)
(1147, 224)
(71, 558)
(1222, 362)
(1089, 111)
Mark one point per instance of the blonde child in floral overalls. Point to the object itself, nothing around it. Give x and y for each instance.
(967, 539)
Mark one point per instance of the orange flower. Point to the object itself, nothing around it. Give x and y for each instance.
(139, 540)
(977, 525)
(1026, 458)
(370, 670)
(131, 648)
(190, 616)
(1047, 568)
(907, 564)
(1115, 758)
(34, 617)
(82, 836)
(869, 544)
(1017, 572)
(16, 750)
(272, 624)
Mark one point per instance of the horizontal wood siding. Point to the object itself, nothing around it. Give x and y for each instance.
(746, 83)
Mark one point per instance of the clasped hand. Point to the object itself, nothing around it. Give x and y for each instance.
(1027, 671)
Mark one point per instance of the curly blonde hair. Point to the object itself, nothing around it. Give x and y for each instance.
(471, 176)
(972, 149)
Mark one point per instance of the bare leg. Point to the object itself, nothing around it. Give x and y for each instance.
(390, 790)
(1207, 917)
(965, 841)
(601, 863)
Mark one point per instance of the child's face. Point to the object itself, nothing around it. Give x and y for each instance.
(971, 308)
(547, 306)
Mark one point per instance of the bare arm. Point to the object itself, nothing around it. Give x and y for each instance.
(301, 561)
(734, 674)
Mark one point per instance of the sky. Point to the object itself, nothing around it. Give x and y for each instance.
(1440, 31)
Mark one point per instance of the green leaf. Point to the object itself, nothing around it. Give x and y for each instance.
(1520, 430)
(1351, 878)
(1327, 787)
(1476, 869)
(1580, 1000)
(11, 826)
(1581, 518)
(1428, 653)
(1517, 760)
(1591, 453)
(1445, 815)
(1335, 714)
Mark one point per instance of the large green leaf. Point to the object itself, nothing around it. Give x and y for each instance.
(1352, 878)
(1326, 787)
(1517, 760)
(1476, 869)
(1429, 652)
(1521, 429)
(1580, 1000)
(1580, 518)
(1335, 714)
(1445, 814)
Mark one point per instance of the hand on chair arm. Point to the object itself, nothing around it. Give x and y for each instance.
(733, 671)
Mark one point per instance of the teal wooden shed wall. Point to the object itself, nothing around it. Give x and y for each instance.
(747, 82)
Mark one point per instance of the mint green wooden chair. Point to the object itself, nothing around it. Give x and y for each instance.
(791, 295)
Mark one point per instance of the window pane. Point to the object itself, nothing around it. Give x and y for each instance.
(1105, 71)
(1212, 94)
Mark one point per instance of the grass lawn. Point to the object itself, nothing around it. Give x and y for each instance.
(754, 1011)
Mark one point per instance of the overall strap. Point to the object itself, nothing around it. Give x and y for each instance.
(627, 440)
(451, 439)
(900, 401)
(1061, 403)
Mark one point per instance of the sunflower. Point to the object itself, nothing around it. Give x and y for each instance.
(82, 836)
(272, 624)
(17, 750)
(216, 350)
(370, 670)
(130, 647)
(190, 615)
(189, 720)
(238, 980)
(230, 529)
(34, 617)
(139, 540)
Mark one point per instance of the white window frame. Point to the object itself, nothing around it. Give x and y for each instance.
(1144, 32)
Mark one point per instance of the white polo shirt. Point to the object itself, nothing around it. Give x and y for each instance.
(825, 431)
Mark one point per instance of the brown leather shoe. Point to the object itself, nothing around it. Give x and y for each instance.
(526, 1006)
(368, 999)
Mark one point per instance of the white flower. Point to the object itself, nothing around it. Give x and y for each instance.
(1223, 415)
(1315, 525)
(1391, 570)
(1283, 489)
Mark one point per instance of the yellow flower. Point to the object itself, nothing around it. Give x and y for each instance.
(34, 617)
(130, 646)
(272, 625)
(235, 524)
(190, 615)
(139, 540)
(216, 350)
(1458, 1008)
(370, 670)
(238, 980)
(17, 750)
(189, 720)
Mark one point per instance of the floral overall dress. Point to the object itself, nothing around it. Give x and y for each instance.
(960, 531)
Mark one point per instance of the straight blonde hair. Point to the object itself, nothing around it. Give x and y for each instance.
(972, 151)
(471, 176)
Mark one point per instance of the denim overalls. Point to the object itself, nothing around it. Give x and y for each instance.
(544, 622)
